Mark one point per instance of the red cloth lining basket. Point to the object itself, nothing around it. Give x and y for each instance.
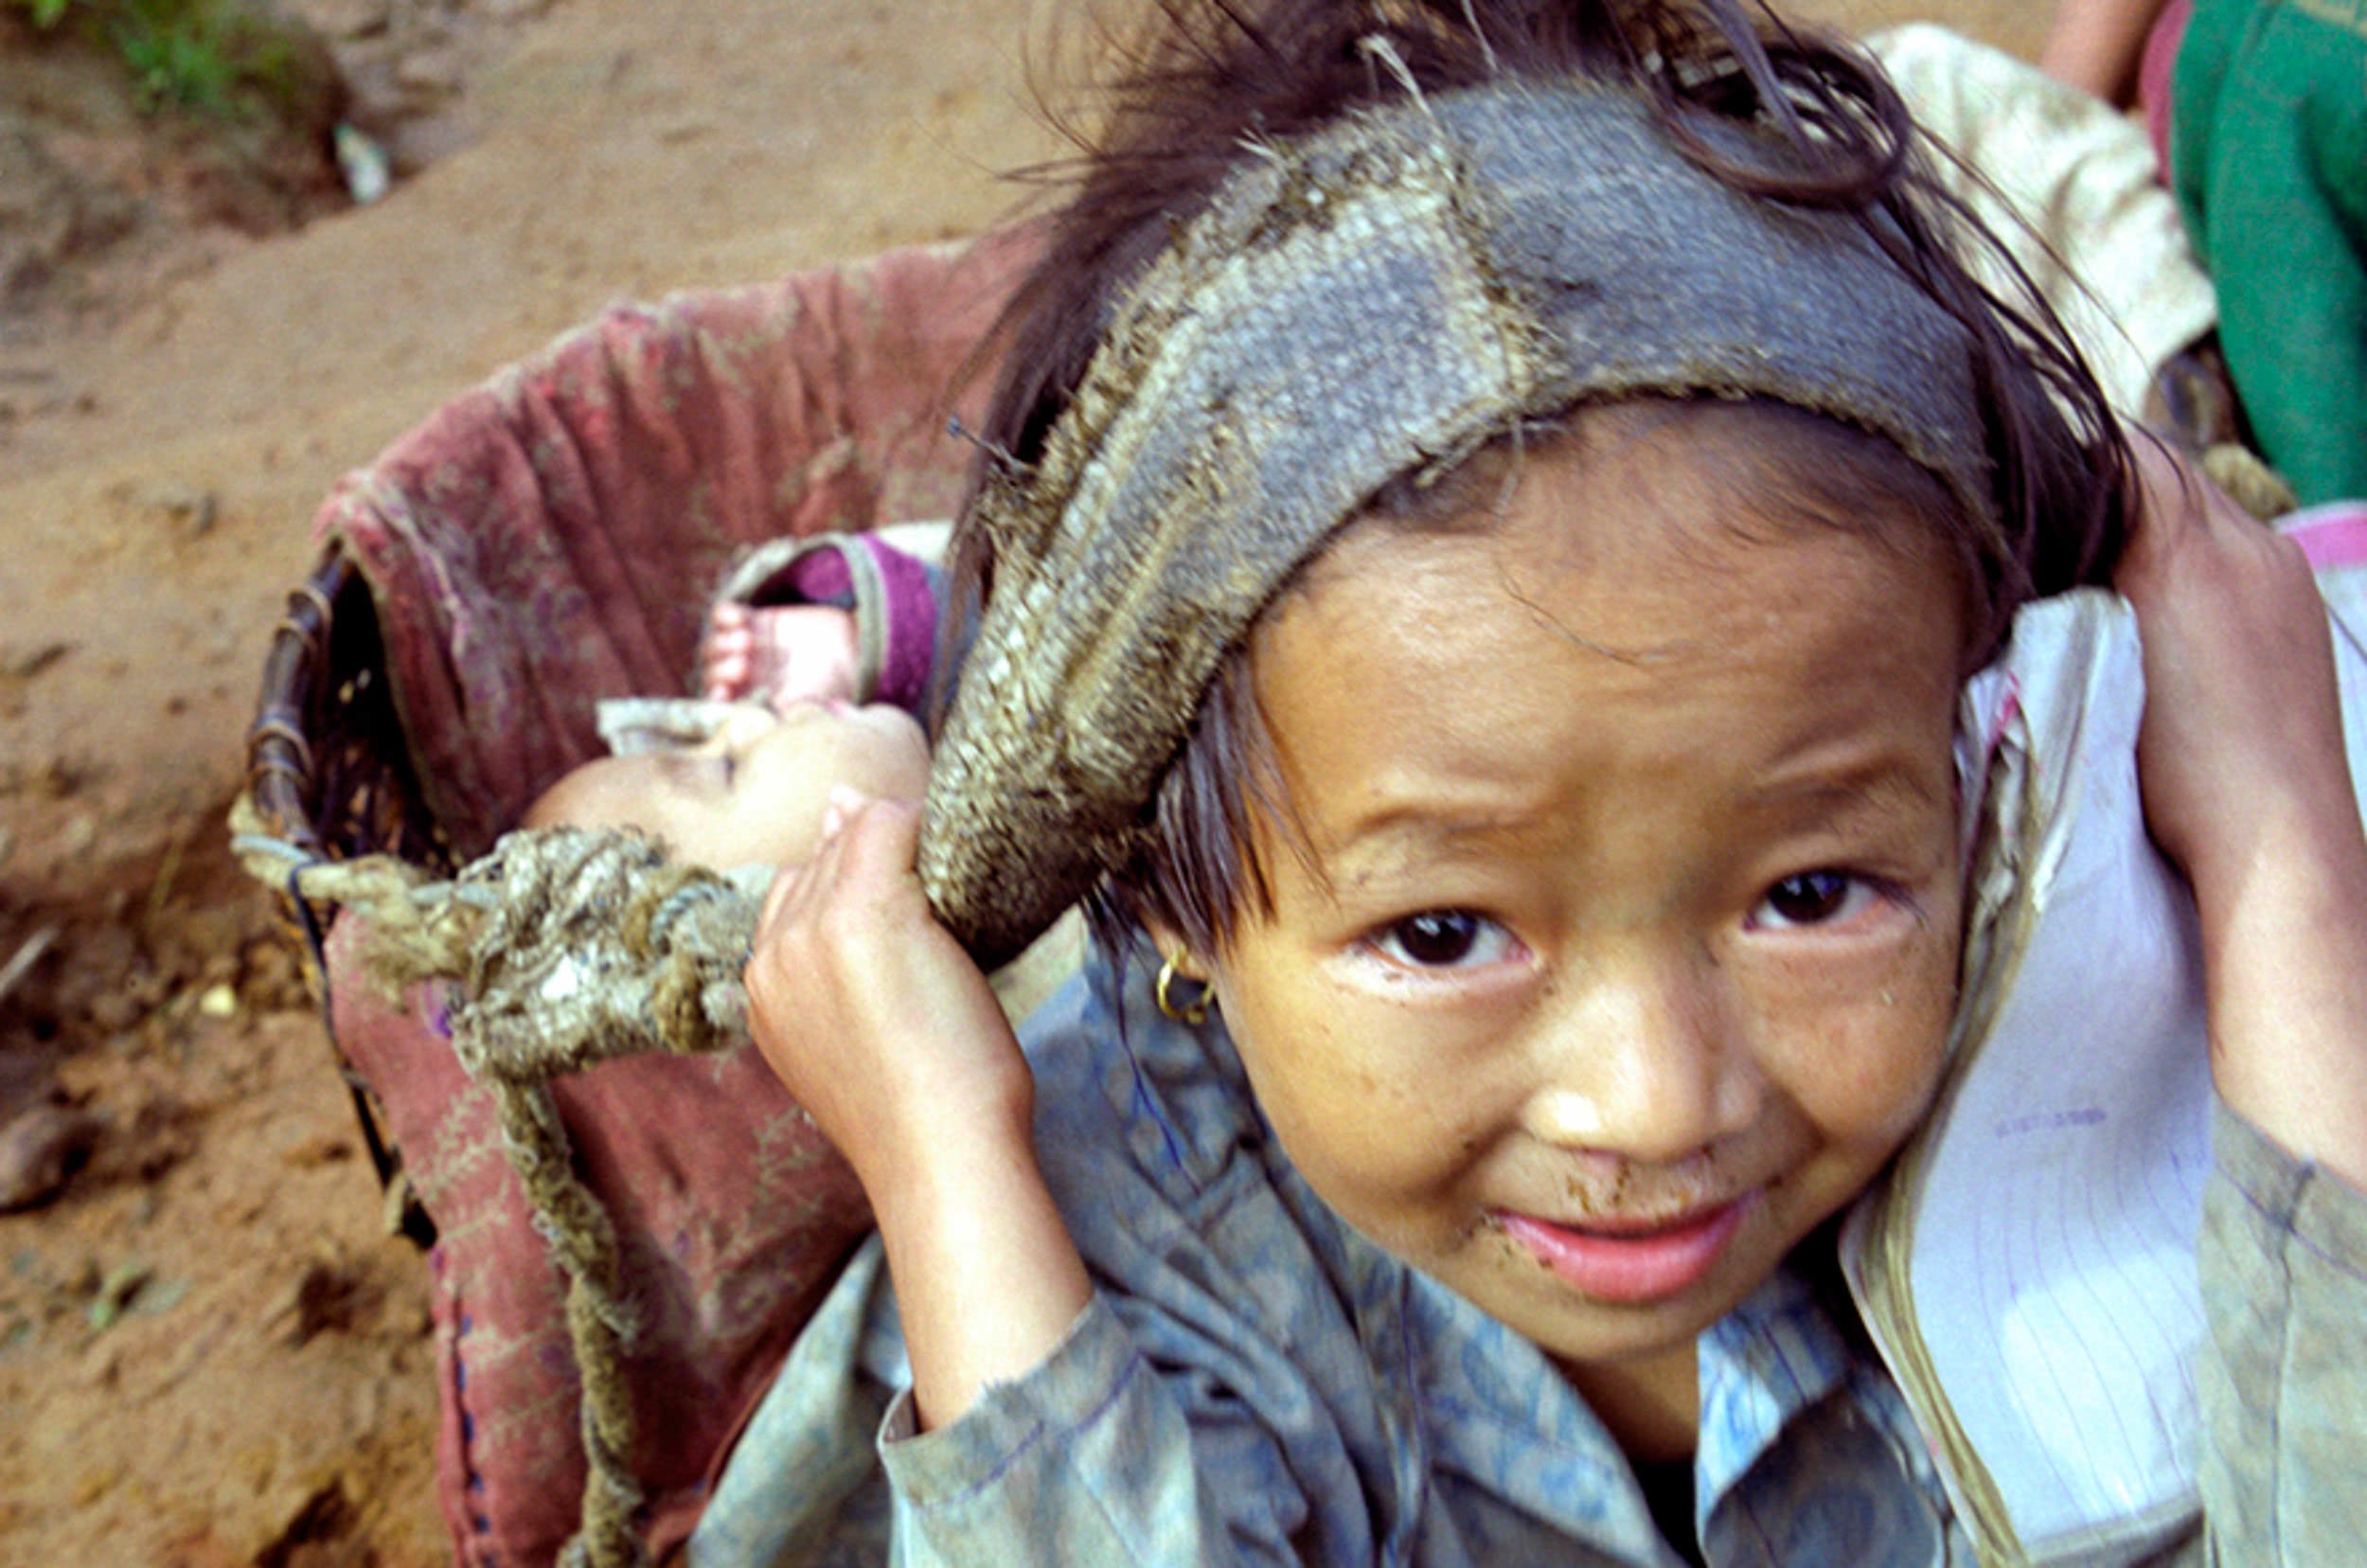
(542, 541)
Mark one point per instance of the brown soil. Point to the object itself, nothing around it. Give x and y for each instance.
(211, 1352)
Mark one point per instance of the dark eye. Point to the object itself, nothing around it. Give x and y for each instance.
(1443, 939)
(1811, 898)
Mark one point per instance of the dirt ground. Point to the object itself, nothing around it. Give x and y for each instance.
(211, 1352)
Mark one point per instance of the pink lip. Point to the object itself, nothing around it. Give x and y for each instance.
(1631, 1265)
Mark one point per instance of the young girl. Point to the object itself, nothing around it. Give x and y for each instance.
(1499, 502)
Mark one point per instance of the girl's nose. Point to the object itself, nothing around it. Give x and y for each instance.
(1644, 1061)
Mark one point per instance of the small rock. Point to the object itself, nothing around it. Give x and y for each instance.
(321, 1149)
(329, 1298)
(363, 163)
(320, 1516)
(188, 508)
(28, 952)
(51, 778)
(220, 1000)
(25, 665)
(80, 835)
(116, 1290)
(40, 1151)
(432, 72)
(350, 18)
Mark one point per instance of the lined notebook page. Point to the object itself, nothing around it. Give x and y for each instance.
(2053, 1258)
(2053, 1264)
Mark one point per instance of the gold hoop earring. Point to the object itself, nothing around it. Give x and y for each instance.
(1193, 1013)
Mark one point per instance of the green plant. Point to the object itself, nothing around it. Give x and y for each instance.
(208, 56)
(174, 48)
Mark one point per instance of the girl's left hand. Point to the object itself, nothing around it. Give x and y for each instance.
(2242, 751)
(872, 1015)
(2247, 789)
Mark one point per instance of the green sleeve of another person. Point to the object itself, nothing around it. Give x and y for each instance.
(2268, 148)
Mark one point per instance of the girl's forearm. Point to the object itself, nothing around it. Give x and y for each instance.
(987, 1280)
(2247, 788)
(2285, 955)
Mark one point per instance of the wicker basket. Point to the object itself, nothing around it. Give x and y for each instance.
(326, 772)
(325, 766)
(548, 539)
(540, 543)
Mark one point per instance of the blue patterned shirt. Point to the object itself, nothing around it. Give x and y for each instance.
(1253, 1382)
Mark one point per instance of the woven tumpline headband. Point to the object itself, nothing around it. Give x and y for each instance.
(1376, 300)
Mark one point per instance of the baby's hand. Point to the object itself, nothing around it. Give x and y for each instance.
(2246, 786)
(873, 1016)
(795, 653)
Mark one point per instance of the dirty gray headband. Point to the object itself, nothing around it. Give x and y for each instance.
(1379, 299)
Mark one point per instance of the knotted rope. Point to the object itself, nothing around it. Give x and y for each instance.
(569, 947)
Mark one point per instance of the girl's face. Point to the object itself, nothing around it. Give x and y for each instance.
(1614, 939)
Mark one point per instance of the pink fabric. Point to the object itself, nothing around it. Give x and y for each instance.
(2331, 535)
(912, 629)
(546, 541)
(911, 611)
(550, 539)
(2153, 68)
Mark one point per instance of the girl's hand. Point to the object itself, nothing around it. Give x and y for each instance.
(2247, 786)
(873, 1016)
(2241, 754)
(887, 1033)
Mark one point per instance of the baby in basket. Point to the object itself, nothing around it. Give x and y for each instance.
(756, 791)
(815, 663)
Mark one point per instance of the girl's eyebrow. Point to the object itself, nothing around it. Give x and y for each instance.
(1888, 783)
(1892, 782)
(1403, 829)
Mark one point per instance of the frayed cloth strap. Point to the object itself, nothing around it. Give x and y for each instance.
(1375, 302)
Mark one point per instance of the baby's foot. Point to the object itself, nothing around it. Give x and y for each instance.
(795, 653)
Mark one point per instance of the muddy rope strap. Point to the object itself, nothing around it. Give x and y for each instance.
(568, 948)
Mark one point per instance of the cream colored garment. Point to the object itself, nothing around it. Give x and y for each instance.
(2029, 1267)
(2074, 183)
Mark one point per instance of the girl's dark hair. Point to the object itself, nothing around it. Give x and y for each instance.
(1210, 77)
